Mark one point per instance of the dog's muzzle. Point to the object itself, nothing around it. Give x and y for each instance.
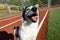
(33, 16)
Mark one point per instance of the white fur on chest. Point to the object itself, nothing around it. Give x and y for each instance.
(28, 30)
(29, 27)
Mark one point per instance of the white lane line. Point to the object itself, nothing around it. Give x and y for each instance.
(10, 23)
(41, 23)
(8, 18)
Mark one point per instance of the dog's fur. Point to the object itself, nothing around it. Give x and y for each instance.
(29, 27)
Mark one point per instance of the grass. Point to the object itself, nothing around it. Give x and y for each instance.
(54, 25)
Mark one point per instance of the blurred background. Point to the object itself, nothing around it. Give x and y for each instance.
(31, 2)
(8, 7)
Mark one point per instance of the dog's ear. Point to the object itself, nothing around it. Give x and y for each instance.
(24, 7)
(37, 5)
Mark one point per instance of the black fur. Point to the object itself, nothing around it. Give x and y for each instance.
(17, 32)
(23, 14)
(34, 9)
(5, 36)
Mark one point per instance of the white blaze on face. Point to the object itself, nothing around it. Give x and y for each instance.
(30, 7)
(28, 11)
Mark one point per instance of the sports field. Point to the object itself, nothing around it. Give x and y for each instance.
(54, 25)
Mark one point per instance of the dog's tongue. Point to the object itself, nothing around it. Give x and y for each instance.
(35, 18)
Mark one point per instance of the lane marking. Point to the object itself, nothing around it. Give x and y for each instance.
(43, 19)
(10, 23)
(8, 18)
(41, 23)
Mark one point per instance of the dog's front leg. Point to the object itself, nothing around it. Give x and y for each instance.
(28, 37)
(16, 33)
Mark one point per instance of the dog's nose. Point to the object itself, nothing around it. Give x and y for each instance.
(34, 9)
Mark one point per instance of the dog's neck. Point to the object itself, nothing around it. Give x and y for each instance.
(27, 23)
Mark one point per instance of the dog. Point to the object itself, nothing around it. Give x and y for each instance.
(29, 27)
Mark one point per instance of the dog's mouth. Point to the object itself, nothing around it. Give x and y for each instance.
(34, 18)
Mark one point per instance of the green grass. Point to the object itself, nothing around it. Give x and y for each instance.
(54, 25)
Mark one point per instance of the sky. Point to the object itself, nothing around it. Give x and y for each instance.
(25, 0)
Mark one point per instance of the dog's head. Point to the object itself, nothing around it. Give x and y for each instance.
(30, 13)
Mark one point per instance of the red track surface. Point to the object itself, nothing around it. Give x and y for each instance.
(8, 20)
(42, 33)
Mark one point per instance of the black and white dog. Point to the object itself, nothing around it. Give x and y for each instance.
(29, 27)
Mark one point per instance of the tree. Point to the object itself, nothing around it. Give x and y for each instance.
(49, 3)
(16, 2)
(54, 2)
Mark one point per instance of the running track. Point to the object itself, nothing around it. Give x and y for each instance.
(8, 23)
